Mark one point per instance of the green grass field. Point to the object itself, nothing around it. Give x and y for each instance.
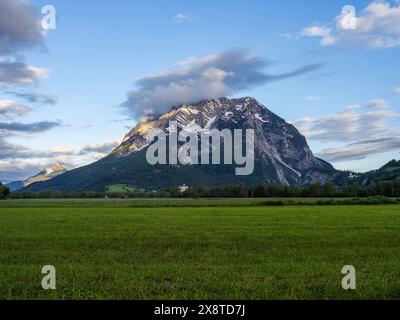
(119, 250)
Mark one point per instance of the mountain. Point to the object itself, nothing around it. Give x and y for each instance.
(44, 175)
(282, 155)
(389, 172)
(15, 185)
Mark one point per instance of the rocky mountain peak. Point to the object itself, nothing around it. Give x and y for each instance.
(281, 153)
(57, 167)
(280, 148)
(44, 175)
(203, 114)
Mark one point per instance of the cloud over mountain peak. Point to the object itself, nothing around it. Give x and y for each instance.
(206, 77)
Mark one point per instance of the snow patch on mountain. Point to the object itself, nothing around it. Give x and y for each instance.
(258, 117)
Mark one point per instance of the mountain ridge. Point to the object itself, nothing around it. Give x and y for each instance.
(44, 175)
(282, 155)
(388, 172)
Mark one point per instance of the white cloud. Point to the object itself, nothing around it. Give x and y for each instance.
(101, 149)
(374, 120)
(18, 162)
(18, 169)
(12, 128)
(35, 97)
(14, 72)
(20, 29)
(322, 32)
(36, 73)
(355, 122)
(360, 150)
(377, 26)
(193, 79)
(396, 90)
(20, 26)
(9, 109)
(21, 169)
(181, 17)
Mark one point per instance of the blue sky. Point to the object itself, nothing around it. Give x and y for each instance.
(347, 105)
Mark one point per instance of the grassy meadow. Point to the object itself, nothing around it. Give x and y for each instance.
(197, 249)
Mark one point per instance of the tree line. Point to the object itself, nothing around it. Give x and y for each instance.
(315, 190)
(4, 191)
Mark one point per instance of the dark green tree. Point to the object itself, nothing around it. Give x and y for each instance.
(261, 191)
(314, 190)
(4, 191)
(329, 189)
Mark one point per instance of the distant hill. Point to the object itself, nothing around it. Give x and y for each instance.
(282, 155)
(15, 185)
(388, 172)
(44, 175)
